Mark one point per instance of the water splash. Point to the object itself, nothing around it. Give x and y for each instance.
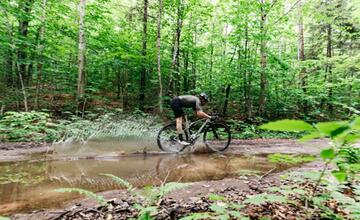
(109, 135)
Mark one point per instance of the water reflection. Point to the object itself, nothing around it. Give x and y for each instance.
(26, 186)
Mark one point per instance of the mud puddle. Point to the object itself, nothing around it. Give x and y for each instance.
(29, 185)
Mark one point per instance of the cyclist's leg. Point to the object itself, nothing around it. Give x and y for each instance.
(178, 112)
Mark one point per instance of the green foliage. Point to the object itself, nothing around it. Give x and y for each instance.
(338, 132)
(264, 198)
(242, 130)
(28, 126)
(4, 218)
(88, 194)
(121, 182)
(327, 153)
(290, 159)
(288, 125)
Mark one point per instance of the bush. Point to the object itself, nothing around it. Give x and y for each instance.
(28, 126)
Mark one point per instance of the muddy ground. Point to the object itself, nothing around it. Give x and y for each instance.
(28, 150)
(182, 201)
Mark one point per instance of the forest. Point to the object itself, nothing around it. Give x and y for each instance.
(85, 105)
(269, 59)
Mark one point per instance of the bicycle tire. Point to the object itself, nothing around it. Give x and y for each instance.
(166, 139)
(217, 136)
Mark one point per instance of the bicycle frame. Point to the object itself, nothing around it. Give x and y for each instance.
(195, 136)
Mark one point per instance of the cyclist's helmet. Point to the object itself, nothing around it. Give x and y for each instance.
(204, 96)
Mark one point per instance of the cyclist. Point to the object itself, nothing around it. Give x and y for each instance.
(187, 101)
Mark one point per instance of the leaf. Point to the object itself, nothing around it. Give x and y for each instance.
(196, 216)
(264, 198)
(217, 208)
(86, 193)
(327, 153)
(4, 218)
(223, 217)
(215, 197)
(332, 129)
(340, 176)
(120, 181)
(235, 214)
(288, 125)
(311, 136)
(356, 124)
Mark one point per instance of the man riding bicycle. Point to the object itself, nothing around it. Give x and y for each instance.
(187, 101)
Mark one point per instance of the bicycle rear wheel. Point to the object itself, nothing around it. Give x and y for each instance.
(167, 139)
(217, 137)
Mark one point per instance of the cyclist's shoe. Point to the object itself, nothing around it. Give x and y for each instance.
(183, 143)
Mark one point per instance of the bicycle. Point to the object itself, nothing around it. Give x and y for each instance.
(216, 135)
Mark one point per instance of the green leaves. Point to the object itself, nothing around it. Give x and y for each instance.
(288, 125)
(120, 181)
(328, 153)
(86, 193)
(264, 198)
(332, 129)
(340, 176)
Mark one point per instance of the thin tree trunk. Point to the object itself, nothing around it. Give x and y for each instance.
(23, 90)
(263, 61)
(40, 50)
(24, 20)
(329, 68)
(227, 91)
(211, 51)
(173, 82)
(11, 69)
(194, 59)
(82, 50)
(143, 71)
(301, 56)
(158, 45)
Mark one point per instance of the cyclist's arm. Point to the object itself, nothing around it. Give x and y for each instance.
(202, 114)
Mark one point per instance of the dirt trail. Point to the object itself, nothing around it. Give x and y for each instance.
(25, 151)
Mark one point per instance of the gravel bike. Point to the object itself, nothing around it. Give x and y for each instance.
(216, 135)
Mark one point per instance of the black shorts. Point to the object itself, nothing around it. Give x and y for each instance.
(176, 107)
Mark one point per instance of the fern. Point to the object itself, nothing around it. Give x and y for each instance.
(168, 187)
(120, 181)
(4, 218)
(88, 194)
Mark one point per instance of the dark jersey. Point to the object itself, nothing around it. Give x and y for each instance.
(190, 101)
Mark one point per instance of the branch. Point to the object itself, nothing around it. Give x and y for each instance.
(292, 7)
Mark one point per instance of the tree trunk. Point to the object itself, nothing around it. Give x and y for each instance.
(329, 68)
(263, 62)
(24, 20)
(158, 45)
(174, 80)
(211, 51)
(301, 56)
(11, 58)
(143, 70)
(226, 99)
(194, 59)
(40, 51)
(82, 50)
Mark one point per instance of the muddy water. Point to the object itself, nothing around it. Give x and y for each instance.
(29, 185)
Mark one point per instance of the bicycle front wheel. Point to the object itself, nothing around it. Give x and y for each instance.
(167, 139)
(217, 137)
